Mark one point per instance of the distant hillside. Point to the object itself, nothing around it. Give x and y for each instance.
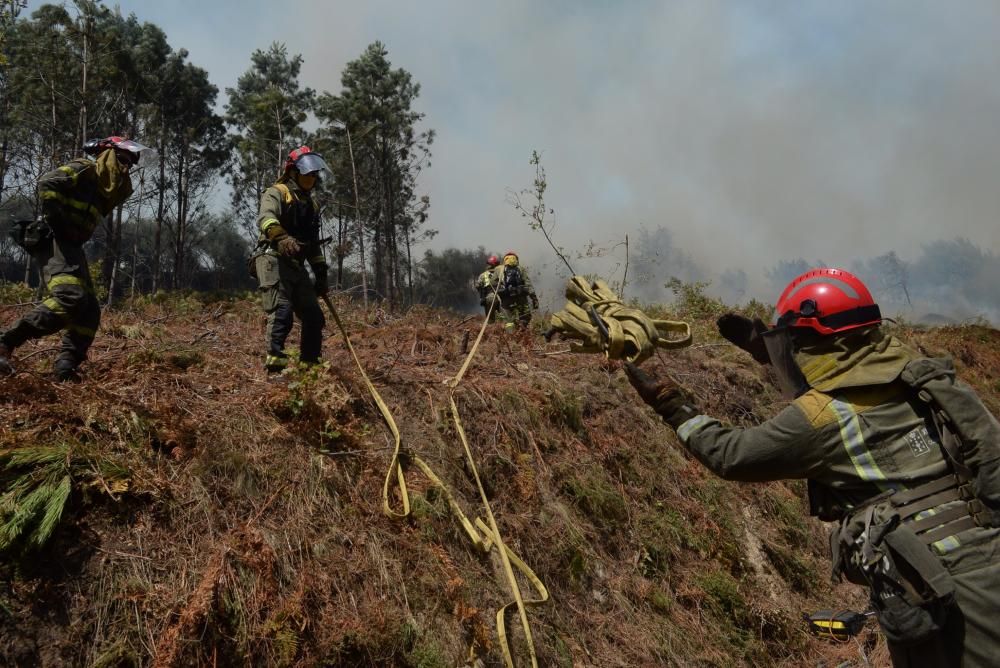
(214, 519)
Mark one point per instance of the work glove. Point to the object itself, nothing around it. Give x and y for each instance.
(745, 334)
(534, 302)
(322, 282)
(665, 396)
(288, 246)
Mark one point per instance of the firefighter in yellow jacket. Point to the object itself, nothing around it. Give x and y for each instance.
(898, 451)
(515, 291)
(289, 232)
(75, 199)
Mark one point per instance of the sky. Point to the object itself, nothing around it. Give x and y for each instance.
(755, 131)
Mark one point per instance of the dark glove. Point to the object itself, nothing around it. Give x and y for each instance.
(288, 246)
(745, 334)
(322, 282)
(665, 396)
(534, 302)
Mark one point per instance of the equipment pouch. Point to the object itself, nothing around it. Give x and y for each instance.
(30, 234)
(911, 590)
(252, 260)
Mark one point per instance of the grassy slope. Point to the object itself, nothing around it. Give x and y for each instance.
(238, 542)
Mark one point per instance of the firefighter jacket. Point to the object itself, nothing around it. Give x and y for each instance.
(296, 212)
(78, 195)
(871, 437)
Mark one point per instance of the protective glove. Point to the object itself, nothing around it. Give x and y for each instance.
(322, 282)
(665, 396)
(534, 302)
(288, 246)
(745, 334)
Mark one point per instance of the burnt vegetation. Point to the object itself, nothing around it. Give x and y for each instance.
(174, 509)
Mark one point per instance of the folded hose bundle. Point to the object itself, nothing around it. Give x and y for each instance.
(600, 322)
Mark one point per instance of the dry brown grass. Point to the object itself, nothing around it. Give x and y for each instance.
(252, 530)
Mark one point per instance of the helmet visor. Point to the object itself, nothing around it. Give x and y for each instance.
(142, 155)
(312, 163)
(778, 342)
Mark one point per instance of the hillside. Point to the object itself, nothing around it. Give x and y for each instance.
(214, 519)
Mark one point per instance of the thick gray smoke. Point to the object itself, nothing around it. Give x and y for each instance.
(756, 133)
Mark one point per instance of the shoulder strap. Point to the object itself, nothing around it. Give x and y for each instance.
(286, 193)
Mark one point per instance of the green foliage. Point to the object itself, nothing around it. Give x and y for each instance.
(303, 380)
(691, 302)
(266, 109)
(374, 120)
(38, 481)
(445, 278)
(15, 293)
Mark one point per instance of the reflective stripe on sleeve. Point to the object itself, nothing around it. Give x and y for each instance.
(268, 223)
(689, 427)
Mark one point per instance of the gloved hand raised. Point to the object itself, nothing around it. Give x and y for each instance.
(664, 395)
(745, 334)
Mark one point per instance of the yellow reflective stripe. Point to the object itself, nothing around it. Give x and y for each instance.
(854, 442)
(54, 306)
(84, 331)
(65, 279)
(268, 223)
(318, 260)
(82, 207)
(69, 171)
(946, 545)
(274, 360)
(69, 279)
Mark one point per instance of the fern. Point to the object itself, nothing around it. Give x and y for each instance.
(37, 483)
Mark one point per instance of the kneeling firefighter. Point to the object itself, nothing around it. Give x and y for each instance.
(75, 199)
(289, 236)
(904, 456)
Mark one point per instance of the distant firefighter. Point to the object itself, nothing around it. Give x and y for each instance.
(897, 451)
(513, 287)
(485, 287)
(75, 199)
(289, 234)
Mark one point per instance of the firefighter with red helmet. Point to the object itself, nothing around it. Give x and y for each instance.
(904, 457)
(486, 288)
(289, 225)
(75, 198)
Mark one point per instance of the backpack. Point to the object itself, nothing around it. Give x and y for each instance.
(511, 282)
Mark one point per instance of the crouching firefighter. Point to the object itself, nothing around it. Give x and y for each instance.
(289, 237)
(75, 198)
(901, 454)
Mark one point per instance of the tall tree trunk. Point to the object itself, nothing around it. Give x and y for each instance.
(341, 245)
(180, 234)
(160, 205)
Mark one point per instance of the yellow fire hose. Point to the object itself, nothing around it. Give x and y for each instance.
(483, 536)
(597, 318)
